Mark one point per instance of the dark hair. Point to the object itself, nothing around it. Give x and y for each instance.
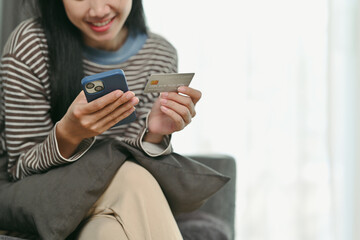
(65, 51)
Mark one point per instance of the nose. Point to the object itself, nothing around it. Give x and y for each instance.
(99, 8)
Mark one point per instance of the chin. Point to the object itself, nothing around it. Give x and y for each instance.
(103, 39)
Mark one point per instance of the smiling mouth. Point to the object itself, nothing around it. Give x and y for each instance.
(101, 24)
(101, 27)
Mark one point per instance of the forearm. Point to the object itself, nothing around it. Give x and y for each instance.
(67, 144)
(42, 156)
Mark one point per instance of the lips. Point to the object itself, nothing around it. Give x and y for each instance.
(101, 26)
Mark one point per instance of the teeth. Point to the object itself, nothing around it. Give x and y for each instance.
(102, 23)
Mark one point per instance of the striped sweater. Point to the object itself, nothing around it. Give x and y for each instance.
(27, 133)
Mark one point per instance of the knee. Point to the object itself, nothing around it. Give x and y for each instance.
(136, 179)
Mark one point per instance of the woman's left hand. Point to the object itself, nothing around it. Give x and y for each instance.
(171, 112)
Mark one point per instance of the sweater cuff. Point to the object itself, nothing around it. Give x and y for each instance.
(155, 149)
(83, 147)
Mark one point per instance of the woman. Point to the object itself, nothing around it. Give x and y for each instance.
(47, 122)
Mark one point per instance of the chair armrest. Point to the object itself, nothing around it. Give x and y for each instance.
(222, 203)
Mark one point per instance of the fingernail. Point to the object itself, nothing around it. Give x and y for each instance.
(130, 95)
(164, 94)
(181, 89)
(135, 100)
(163, 101)
(118, 94)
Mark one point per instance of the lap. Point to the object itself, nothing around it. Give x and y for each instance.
(104, 227)
(130, 179)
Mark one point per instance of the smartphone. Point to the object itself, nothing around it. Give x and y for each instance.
(100, 84)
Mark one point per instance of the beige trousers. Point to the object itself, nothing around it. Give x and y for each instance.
(133, 207)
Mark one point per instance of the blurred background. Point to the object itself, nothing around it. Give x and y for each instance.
(281, 92)
(280, 83)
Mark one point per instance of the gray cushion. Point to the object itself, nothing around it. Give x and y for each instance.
(200, 225)
(53, 204)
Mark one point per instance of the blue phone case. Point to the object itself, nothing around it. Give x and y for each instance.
(110, 80)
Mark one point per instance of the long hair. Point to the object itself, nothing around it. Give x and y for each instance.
(65, 46)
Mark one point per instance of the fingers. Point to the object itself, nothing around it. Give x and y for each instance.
(116, 115)
(114, 120)
(106, 105)
(180, 107)
(102, 113)
(122, 100)
(103, 101)
(81, 98)
(194, 94)
(179, 122)
(188, 97)
(183, 111)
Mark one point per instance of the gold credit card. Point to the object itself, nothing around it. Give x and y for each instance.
(167, 82)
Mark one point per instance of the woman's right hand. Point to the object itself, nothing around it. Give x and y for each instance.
(85, 120)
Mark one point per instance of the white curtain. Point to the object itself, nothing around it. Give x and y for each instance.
(280, 93)
(344, 116)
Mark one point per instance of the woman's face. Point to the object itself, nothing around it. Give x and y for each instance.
(100, 21)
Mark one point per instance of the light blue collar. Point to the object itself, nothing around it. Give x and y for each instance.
(131, 47)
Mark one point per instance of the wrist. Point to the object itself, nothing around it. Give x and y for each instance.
(153, 137)
(67, 142)
(66, 135)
